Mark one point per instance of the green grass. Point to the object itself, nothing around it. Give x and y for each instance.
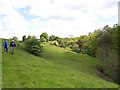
(0, 64)
(56, 68)
(67, 58)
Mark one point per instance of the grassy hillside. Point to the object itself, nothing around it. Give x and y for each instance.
(0, 64)
(56, 68)
(67, 58)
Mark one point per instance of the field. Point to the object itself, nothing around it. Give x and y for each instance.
(56, 68)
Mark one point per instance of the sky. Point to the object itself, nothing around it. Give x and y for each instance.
(62, 18)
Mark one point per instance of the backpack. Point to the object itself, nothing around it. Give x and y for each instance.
(5, 44)
(12, 44)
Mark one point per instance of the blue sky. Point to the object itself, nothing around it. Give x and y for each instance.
(59, 17)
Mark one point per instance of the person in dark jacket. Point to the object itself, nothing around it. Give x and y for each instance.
(5, 45)
(12, 45)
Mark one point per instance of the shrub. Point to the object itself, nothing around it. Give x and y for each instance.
(63, 42)
(33, 46)
(75, 48)
(43, 40)
(56, 43)
(110, 65)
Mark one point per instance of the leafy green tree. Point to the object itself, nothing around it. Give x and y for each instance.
(45, 35)
(92, 42)
(108, 54)
(53, 38)
(115, 37)
(82, 40)
(105, 42)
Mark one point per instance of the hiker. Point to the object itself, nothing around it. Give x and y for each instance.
(12, 45)
(5, 45)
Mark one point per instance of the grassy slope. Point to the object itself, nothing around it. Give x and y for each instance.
(56, 68)
(67, 58)
(0, 64)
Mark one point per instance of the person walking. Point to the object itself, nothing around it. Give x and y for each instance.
(5, 45)
(12, 45)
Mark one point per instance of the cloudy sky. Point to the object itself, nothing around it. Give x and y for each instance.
(58, 17)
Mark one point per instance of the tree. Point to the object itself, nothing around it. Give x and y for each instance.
(91, 44)
(15, 38)
(108, 54)
(53, 38)
(105, 28)
(24, 38)
(82, 40)
(115, 37)
(105, 42)
(44, 35)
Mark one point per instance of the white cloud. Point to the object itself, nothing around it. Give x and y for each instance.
(12, 23)
(85, 14)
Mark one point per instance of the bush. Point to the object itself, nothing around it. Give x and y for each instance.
(33, 46)
(56, 43)
(63, 42)
(43, 40)
(75, 48)
(108, 64)
(100, 55)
